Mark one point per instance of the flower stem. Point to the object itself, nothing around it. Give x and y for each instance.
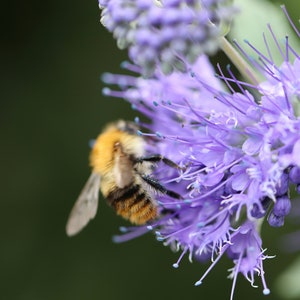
(240, 63)
(259, 224)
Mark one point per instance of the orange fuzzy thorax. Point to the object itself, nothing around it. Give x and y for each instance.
(102, 154)
(103, 157)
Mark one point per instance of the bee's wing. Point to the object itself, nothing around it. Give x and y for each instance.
(85, 207)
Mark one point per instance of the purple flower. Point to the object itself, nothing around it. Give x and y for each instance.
(196, 125)
(246, 253)
(239, 152)
(161, 32)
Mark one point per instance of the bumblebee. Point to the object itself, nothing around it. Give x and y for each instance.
(121, 171)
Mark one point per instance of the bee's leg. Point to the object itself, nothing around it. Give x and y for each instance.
(158, 187)
(158, 158)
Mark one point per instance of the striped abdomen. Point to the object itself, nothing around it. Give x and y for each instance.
(133, 203)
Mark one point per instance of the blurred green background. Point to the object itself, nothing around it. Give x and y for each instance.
(52, 56)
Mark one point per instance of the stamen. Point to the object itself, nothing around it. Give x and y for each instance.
(199, 282)
(293, 51)
(290, 20)
(287, 101)
(287, 48)
(158, 134)
(266, 290)
(246, 84)
(260, 54)
(225, 79)
(205, 120)
(276, 41)
(176, 265)
(235, 80)
(251, 59)
(136, 232)
(267, 47)
(236, 272)
(130, 67)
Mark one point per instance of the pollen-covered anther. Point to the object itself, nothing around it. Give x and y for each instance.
(197, 283)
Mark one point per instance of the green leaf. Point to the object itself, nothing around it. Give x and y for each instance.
(287, 284)
(252, 22)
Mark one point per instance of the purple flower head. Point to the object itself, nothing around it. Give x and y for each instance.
(195, 124)
(161, 32)
(239, 153)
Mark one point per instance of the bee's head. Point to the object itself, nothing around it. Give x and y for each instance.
(127, 126)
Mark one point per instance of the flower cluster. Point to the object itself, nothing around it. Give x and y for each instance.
(239, 152)
(164, 31)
